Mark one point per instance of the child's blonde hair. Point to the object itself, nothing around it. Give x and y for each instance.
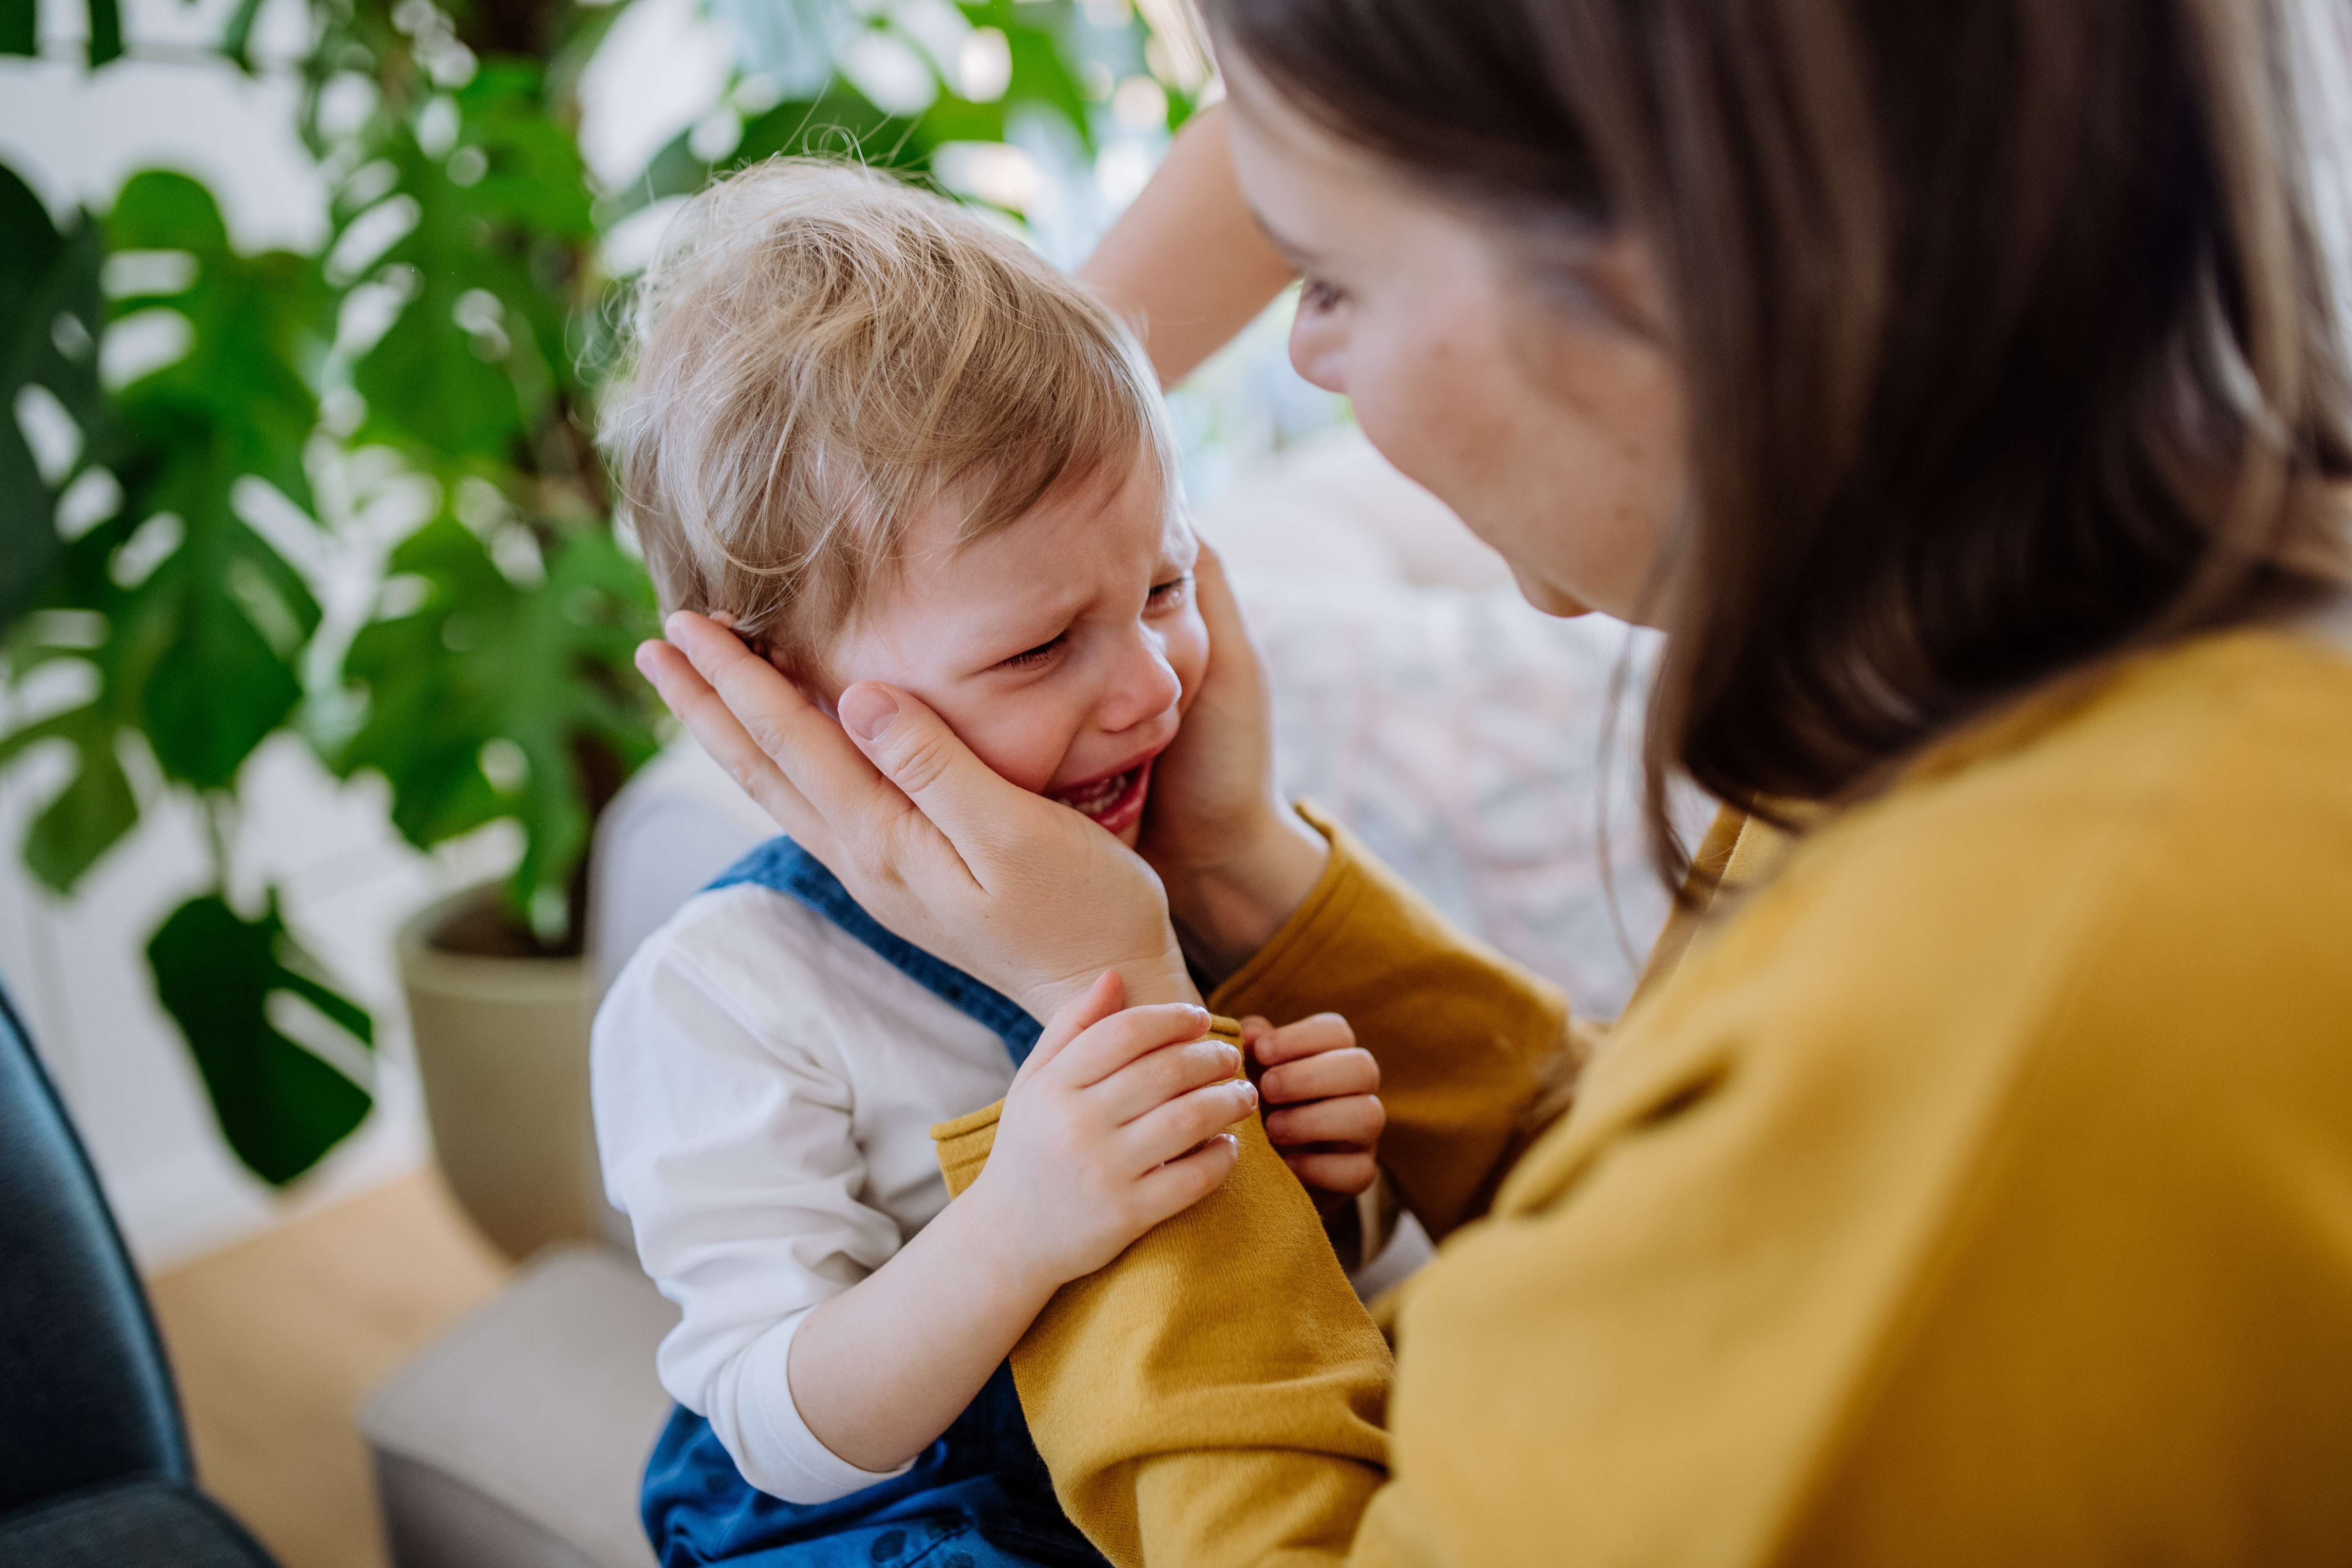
(821, 352)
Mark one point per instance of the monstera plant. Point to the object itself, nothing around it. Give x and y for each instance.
(162, 525)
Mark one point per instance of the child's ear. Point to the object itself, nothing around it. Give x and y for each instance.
(813, 688)
(817, 699)
(815, 691)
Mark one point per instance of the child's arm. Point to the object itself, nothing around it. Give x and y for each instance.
(1101, 1138)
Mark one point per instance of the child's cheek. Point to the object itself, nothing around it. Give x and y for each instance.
(1013, 738)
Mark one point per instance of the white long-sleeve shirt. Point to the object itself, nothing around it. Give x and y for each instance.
(764, 1087)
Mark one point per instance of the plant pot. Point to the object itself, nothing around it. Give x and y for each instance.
(502, 1048)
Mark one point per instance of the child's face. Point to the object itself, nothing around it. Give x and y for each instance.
(1063, 649)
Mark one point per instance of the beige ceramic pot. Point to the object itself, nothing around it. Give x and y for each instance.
(502, 1047)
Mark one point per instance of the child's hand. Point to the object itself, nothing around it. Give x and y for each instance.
(1322, 1113)
(1115, 1123)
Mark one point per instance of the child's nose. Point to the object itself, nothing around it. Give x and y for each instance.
(1142, 687)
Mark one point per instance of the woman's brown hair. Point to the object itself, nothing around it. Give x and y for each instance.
(2006, 334)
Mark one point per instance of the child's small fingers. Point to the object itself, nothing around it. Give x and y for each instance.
(1181, 1182)
(1124, 1037)
(1158, 1077)
(1344, 1174)
(1308, 1036)
(1253, 1027)
(1357, 1119)
(1349, 1071)
(1164, 1134)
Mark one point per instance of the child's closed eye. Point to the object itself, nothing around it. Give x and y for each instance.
(1035, 657)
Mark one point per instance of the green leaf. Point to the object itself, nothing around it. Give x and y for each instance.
(502, 215)
(105, 32)
(94, 810)
(237, 39)
(185, 659)
(260, 327)
(50, 317)
(1042, 73)
(545, 669)
(280, 1106)
(841, 121)
(534, 178)
(187, 655)
(20, 26)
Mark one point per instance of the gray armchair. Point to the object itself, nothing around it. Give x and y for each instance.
(94, 1465)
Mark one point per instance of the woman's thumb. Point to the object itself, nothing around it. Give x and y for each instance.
(917, 752)
(1106, 996)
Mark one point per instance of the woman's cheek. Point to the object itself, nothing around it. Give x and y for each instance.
(1388, 393)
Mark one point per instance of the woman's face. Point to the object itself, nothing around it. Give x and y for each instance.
(1550, 425)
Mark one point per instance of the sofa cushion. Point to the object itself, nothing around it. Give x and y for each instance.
(520, 1436)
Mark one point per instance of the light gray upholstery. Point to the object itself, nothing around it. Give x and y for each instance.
(520, 1438)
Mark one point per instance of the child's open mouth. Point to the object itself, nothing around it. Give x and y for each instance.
(1116, 803)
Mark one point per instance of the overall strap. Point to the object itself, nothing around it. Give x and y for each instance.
(786, 867)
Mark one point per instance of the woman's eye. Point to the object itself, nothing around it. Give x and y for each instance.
(1171, 595)
(1030, 658)
(1314, 294)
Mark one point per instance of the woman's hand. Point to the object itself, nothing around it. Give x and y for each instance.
(1234, 859)
(1025, 894)
(1114, 1123)
(1323, 1111)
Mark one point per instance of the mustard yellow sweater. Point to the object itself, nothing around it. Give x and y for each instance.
(1976, 1190)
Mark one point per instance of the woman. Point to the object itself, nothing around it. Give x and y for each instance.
(1960, 388)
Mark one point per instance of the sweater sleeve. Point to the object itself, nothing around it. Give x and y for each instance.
(1976, 1193)
(1174, 1410)
(1468, 1042)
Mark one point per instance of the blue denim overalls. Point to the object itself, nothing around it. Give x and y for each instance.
(979, 1496)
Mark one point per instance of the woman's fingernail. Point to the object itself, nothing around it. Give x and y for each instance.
(867, 711)
(1249, 1092)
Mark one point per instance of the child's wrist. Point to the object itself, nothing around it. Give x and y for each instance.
(991, 1233)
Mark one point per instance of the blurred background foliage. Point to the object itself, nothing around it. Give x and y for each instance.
(194, 428)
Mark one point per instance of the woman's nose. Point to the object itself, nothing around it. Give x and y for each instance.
(1142, 686)
(1318, 350)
